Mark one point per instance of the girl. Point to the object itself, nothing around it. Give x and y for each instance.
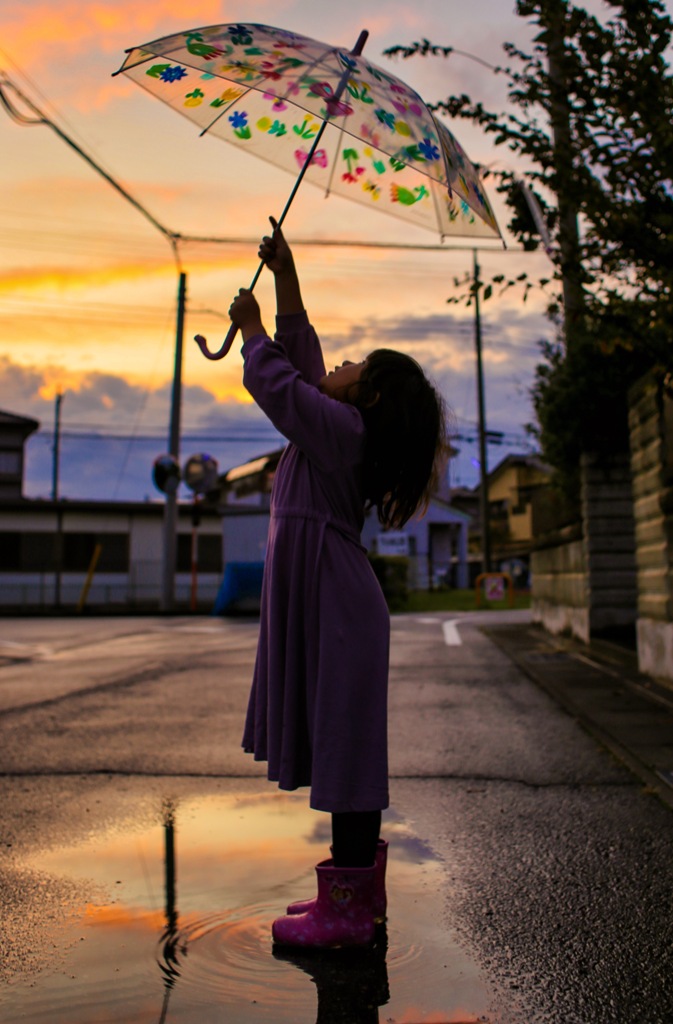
(365, 434)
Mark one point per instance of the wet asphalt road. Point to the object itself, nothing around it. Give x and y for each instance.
(556, 865)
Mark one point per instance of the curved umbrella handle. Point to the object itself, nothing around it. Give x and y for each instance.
(233, 329)
(224, 348)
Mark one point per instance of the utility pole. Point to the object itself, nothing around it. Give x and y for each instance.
(483, 468)
(171, 506)
(58, 539)
(56, 448)
(36, 117)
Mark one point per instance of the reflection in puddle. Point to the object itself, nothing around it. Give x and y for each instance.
(185, 934)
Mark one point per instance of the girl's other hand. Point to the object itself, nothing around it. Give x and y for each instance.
(275, 252)
(244, 312)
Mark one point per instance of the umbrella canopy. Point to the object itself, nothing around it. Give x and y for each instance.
(272, 92)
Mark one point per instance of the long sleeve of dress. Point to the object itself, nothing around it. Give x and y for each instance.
(329, 432)
(299, 339)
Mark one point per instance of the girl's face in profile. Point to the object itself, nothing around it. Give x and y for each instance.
(338, 382)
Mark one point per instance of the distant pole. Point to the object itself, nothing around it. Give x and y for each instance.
(171, 506)
(58, 538)
(57, 447)
(483, 468)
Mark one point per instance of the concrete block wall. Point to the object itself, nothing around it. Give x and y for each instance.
(609, 543)
(651, 431)
(560, 596)
(584, 576)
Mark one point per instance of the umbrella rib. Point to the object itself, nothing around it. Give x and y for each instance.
(435, 199)
(228, 107)
(335, 155)
(256, 88)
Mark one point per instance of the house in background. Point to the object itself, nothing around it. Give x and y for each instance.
(436, 543)
(46, 547)
(511, 487)
(514, 487)
(14, 432)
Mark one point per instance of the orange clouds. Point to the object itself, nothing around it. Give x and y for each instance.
(50, 279)
(40, 31)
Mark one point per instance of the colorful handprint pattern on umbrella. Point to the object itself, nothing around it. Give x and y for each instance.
(269, 91)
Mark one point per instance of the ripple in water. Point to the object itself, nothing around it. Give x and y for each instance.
(229, 955)
(210, 963)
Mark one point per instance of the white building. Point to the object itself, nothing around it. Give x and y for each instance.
(46, 551)
(47, 547)
(108, 555)
(436, 543)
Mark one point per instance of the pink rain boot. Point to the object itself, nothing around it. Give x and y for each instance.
(380, 902)
(342, 914)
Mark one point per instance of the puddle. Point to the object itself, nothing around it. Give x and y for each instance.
(180, 928)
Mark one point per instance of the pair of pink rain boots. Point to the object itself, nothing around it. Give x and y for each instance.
(349, 905)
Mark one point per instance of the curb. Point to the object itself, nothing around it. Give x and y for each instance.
(544, 659)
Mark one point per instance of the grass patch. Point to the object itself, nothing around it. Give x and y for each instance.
(459, 601)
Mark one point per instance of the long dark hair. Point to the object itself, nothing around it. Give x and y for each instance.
(406, 444)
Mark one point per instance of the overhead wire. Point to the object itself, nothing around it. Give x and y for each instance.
(94, 313)
(39, 118)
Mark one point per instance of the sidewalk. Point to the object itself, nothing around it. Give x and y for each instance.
(600, 686)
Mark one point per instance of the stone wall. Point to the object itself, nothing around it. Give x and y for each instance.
(584, 575)
(559, 582)
(609, 545)
(651, 429)
(613, 571)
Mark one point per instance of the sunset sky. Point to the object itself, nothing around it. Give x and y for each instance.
(88, 287)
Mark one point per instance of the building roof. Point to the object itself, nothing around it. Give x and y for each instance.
(253, 466)
(23, 423)
(529, 461)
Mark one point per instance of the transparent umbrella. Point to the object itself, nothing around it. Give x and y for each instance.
(322, 113)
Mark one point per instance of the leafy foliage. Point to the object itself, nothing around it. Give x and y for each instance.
(591, 113)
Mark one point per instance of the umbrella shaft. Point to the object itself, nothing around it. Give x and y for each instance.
(334, 99)
(338, 93)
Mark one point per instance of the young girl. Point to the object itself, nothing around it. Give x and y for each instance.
(365, 434)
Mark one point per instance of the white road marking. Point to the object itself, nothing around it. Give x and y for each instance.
(427, 622)
(451, 634)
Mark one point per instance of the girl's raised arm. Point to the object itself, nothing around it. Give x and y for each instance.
(277, 255)
(292, 326)
(329, 432)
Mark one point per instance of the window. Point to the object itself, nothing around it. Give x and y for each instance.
(10, 463)
(38, 551)
(208, 552)
(10, 551)
(78, 549)
(524, 499)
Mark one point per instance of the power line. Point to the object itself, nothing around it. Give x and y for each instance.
(7, 86)
(468, 436)
(211, 438)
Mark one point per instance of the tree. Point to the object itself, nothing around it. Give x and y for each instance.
(591, 115)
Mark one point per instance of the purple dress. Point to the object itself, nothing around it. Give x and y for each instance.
(318, 705)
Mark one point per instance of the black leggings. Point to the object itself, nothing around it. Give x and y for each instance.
(355, 835)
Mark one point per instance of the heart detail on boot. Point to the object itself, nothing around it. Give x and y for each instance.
(341, 894)
(380, 901)
(342, 914)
